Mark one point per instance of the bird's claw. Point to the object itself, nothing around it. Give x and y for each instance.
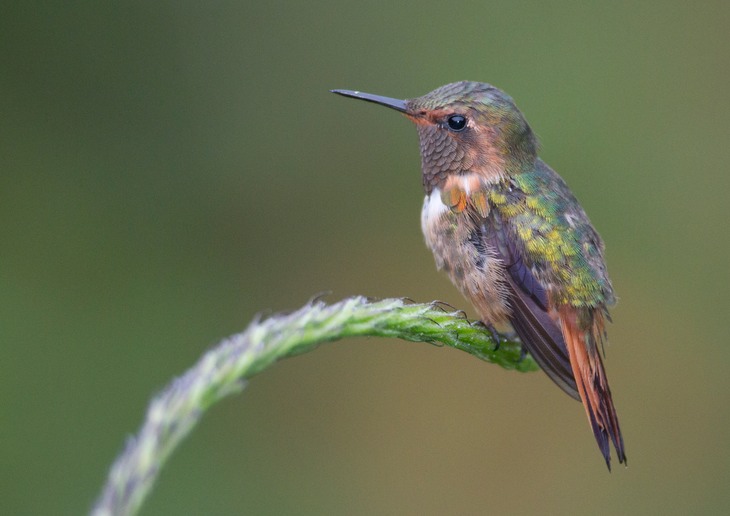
(496, 336)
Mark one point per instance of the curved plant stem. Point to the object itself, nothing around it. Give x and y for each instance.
(223, 370)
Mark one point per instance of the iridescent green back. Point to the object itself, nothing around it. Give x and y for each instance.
(555, 235)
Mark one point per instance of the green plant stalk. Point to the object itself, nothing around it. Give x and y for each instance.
(224, 369)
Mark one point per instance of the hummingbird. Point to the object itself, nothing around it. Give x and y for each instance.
(513, 238)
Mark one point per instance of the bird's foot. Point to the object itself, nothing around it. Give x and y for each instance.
(523, 353)
(496, 336)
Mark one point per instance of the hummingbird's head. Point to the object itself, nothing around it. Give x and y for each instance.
(465, 127)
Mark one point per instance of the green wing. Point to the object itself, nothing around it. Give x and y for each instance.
(555, 238)
(553, 257)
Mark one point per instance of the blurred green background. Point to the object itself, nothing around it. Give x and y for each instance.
(170, 169)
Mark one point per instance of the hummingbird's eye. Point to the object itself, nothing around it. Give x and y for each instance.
(456, 122)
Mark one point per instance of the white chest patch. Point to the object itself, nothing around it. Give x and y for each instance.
(471, 268)
(433, 208)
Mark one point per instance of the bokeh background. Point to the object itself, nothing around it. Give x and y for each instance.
(170, 169)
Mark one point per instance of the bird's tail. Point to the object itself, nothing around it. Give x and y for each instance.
(583, 333)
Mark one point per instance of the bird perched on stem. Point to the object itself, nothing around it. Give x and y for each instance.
(513, 238)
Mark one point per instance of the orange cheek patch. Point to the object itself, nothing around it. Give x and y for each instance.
(454, 198)
(461, 192)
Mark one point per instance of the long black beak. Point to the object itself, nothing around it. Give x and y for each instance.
(398, 105)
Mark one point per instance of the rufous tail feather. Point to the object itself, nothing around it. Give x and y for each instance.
(583, 332)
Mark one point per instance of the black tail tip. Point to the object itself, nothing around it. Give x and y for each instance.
(621, 456)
